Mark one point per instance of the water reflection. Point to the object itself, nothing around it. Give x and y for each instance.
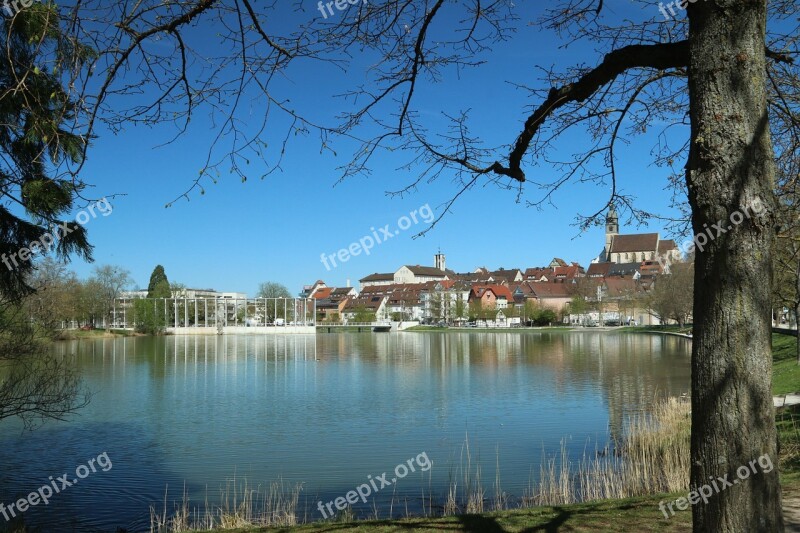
(328, 411)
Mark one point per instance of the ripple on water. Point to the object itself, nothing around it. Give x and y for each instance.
(327, 411)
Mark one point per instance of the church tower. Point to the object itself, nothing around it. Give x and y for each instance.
(612, 229)
(438, 261)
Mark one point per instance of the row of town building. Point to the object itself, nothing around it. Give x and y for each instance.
(625, 268)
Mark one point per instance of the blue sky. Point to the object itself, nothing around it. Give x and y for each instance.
(238, 234)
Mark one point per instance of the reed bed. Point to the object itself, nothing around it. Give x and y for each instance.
(652, 457)
(241, 505)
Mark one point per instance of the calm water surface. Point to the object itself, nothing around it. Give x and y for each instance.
(178, 414)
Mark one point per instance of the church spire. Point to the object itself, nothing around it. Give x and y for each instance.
(612, 229)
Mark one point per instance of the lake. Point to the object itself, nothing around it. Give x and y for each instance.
(196, 416)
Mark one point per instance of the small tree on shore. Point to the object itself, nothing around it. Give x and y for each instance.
(149, 316)
(271, 289)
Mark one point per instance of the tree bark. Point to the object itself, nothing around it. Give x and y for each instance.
(730, 167)
(797, 313)
(796, 301)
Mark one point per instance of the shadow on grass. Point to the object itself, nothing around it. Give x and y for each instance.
(606, 516)
(475, 522)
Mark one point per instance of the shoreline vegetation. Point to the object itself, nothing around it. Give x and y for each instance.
(78, 334)
(674, 330)
(607, 490)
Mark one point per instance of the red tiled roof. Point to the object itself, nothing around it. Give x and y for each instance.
(650, 268)
(525, 288)
(666, 246)
(446, 284)
(621, 286)
(568, 272)
(372, 302)
(324, 292)
(640, 242)
(598, 270)
(552, 290)
(537, 273)
(389, 276)
(341, 291)
(418, 270)
(507, 275)
(500, 291)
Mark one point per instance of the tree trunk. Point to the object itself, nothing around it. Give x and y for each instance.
(797, 313)
(730, 168)
(796, 301)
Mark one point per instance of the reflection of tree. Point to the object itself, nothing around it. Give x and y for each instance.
(35, 384)
(631, 370)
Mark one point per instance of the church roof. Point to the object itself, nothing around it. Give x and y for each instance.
(418, 270)
(666, 246)
(388, 276)
(640, 242)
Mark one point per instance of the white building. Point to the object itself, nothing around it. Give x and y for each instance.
(410, 274)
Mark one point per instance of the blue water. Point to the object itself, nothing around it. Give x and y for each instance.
(187, 415)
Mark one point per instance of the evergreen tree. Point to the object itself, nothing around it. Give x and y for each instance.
(37, 142)
(159, 284)
(38, 195)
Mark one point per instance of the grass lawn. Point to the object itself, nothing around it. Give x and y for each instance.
(788, 423)
(686, 330)
(785, 370)
(633, 514)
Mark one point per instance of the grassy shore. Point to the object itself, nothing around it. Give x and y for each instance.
(437, 329)
(631, 514)
(74, 334)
